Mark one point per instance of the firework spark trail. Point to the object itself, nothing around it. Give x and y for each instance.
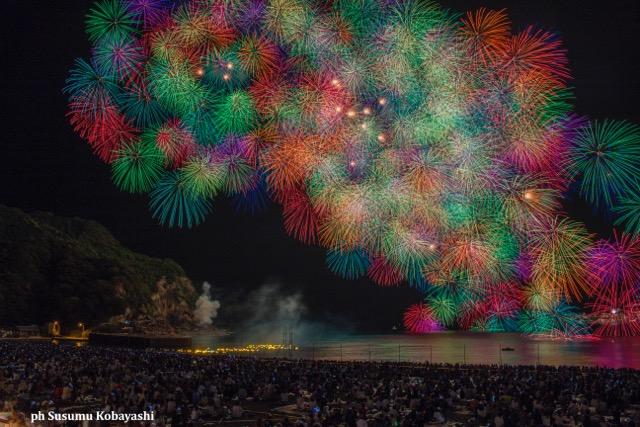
(414, 145)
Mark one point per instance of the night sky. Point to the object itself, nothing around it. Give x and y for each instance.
(45, 166)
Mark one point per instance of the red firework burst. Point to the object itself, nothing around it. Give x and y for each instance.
(420, 319)
(615, 315)
(105, 129)
(300, 220)
(383, 273)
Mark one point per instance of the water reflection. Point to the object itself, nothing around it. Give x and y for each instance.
(463, 347)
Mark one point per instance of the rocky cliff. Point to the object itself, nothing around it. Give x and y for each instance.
(72, 269)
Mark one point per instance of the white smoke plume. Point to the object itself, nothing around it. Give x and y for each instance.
(269, 310)
(206, 308)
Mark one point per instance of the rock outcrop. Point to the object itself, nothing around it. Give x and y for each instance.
(72, 269)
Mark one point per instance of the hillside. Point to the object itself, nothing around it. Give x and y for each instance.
(72, 269)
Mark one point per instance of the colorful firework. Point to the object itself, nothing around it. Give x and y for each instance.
(615, 268)
(561, 320)
(137, 167)
(569, 321)
(559, 249)
(348, 264)
(615, 315)
(606, 155)
(629, 212)
(444, 308)
(420, 319)
(414, 146)
(173, 204)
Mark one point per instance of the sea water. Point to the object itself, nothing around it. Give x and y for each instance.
(448, 347)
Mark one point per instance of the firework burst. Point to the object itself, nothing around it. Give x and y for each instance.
(606, 156)
(420, 319)
(415, 145)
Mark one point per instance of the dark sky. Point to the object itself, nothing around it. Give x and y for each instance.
(45, 166)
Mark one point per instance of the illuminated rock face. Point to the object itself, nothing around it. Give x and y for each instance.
(71, 270)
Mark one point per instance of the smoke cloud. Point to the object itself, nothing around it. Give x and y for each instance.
(270, 311)
(206, 309)
(274, 314)
(270, 303)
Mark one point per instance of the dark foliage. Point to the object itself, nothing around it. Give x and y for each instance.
(70, 269)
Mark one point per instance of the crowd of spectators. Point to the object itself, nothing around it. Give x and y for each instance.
(185, 389)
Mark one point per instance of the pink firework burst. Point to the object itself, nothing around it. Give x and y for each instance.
(420, 319)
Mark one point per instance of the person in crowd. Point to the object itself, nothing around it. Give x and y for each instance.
(184, 389)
